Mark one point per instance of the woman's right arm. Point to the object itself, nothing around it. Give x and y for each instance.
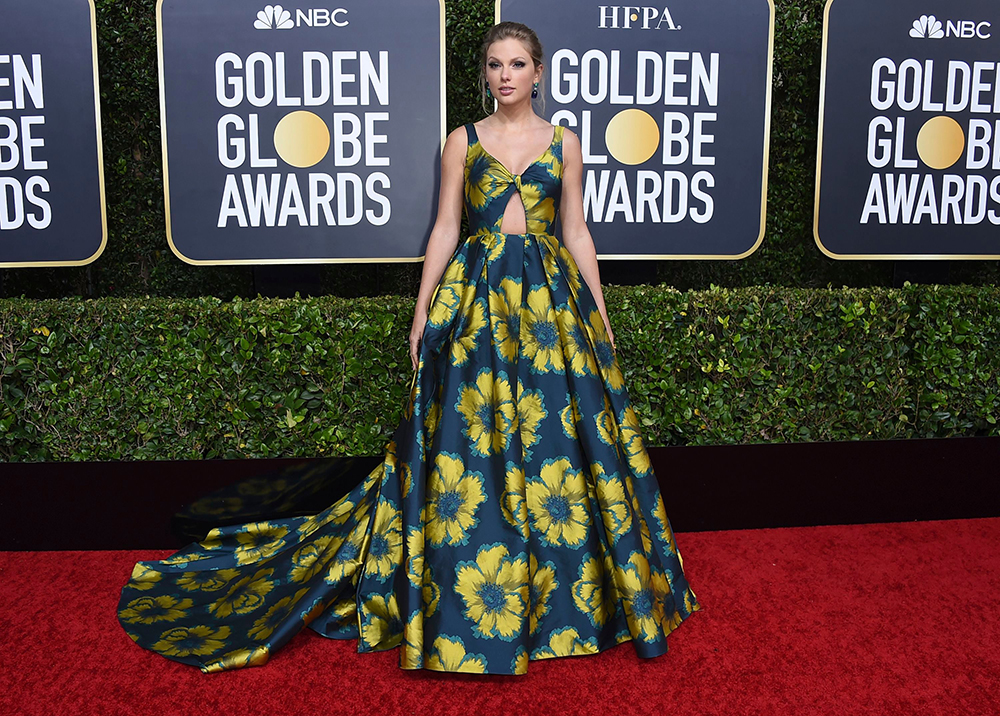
(445, 234)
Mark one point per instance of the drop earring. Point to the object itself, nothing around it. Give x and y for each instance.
(488, 93)
(534, 91)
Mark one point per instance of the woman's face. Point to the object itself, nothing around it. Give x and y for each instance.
(510, 72)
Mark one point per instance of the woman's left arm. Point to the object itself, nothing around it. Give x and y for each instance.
(575, 234)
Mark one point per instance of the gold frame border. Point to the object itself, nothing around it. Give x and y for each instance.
(766, 162)
(819, 170)
(261, 262)
(100, 167)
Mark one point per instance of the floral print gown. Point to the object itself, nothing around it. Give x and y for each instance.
(515, 515)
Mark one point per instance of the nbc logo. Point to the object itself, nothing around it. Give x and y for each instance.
(274, 17)
(927, 26)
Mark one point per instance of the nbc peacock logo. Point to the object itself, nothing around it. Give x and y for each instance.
(274, 17)
(927, 26)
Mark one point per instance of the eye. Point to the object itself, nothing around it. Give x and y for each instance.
(518, 64)
(493, 65)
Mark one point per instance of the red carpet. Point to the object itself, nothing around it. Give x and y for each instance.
(881, 619)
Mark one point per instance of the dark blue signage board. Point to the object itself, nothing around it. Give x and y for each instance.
(672, 107)
(301, 132)
(908, 163)
(51, 167)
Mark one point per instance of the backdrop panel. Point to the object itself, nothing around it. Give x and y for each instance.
(672, 106)
(296, 134)
(51, 169)
(908, 163)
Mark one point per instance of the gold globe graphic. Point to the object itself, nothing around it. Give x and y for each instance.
(940, 142)
(302, 139)
(632, 136)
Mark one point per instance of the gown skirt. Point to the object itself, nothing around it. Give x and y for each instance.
(515, 515)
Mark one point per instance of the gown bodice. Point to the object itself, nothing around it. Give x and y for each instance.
(489, 185)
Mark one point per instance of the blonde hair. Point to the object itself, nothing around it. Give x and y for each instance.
(503, 31)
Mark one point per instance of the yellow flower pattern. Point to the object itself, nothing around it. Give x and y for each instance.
(635, 451)
(259, 541)
(557, 502)
(207, 581)
(577, 345)
(540, 333)
(412, 647)
(144, 578)
(415, 556)
(644, 534)
(513, 503)
(430, 593)
(514, 515)
(454, 494)
(448, 295)
(530, 414)
(347, 559)
(519, 664)
(272, 619)
(665, 533)
(570, 416)
(470, 325)
(594, 593)
(607, 426)
(431, 422)
(183, 559)
(310, 559)
(566, 642)
(543, 584)
(572, 271)
(385, 550)
(642, 609)
(494, 589)
(615, 504)
(247, 595)
(494, 243)
(448, 654)
(381, 626)
(481, 185)
(149, 610)
(488, 409)
(505, 318)
(604, 352)
(200, 640)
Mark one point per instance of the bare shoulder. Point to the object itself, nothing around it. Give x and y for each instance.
(571, 144)
(455, 144)
(570, 136)
(458, 136)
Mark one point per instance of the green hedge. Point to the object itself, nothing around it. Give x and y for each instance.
(145, 379)
(138, 261)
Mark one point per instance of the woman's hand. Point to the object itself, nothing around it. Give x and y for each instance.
(416, 332)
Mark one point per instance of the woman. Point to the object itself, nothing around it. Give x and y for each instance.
(515, 515)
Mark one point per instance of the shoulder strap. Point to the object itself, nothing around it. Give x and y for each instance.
(470, 130)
